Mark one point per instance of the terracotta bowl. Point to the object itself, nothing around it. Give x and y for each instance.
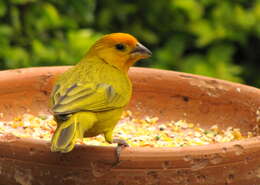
(167, 95)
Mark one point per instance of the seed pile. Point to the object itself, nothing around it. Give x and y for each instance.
(147, 132)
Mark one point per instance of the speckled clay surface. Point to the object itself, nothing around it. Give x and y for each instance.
(167, 95)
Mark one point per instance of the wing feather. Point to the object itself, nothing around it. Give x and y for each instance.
(87, 97)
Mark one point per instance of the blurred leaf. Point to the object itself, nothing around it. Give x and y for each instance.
(15, 18)
(2, 8)
(204, 31)
(16, 57)
(52, 15)
(80, 41)
(191, 7)
(216, 64)
(169, 55)
(244, 18)
(22, 1)
(5, 31)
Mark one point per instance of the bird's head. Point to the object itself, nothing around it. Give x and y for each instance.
(120, 50)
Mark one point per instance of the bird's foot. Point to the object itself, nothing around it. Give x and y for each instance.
(120, 145)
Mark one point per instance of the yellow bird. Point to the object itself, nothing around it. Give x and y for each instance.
(88, 99)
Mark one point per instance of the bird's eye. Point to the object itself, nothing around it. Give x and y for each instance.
(120, 47)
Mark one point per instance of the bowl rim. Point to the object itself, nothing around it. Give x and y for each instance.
(144, 153)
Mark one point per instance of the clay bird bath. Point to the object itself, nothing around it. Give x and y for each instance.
(167, 95)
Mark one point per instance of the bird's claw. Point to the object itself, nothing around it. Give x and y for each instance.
(120, 145)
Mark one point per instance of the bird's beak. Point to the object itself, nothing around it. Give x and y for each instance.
(141, 51)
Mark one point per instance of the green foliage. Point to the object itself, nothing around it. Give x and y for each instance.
(209, 37)
(43, 33)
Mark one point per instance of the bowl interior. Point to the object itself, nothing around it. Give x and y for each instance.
(157, 93)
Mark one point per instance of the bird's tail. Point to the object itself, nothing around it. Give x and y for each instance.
(67, 133)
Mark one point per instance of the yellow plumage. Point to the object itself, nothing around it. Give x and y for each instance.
(88, 99)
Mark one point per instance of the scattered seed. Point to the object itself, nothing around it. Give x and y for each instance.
(147, 132)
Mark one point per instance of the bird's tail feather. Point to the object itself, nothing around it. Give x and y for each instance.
(67, 133)
(64, 138)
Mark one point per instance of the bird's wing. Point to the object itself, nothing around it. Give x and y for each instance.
(86, 97)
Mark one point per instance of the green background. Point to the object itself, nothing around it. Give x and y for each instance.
(217, 38)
